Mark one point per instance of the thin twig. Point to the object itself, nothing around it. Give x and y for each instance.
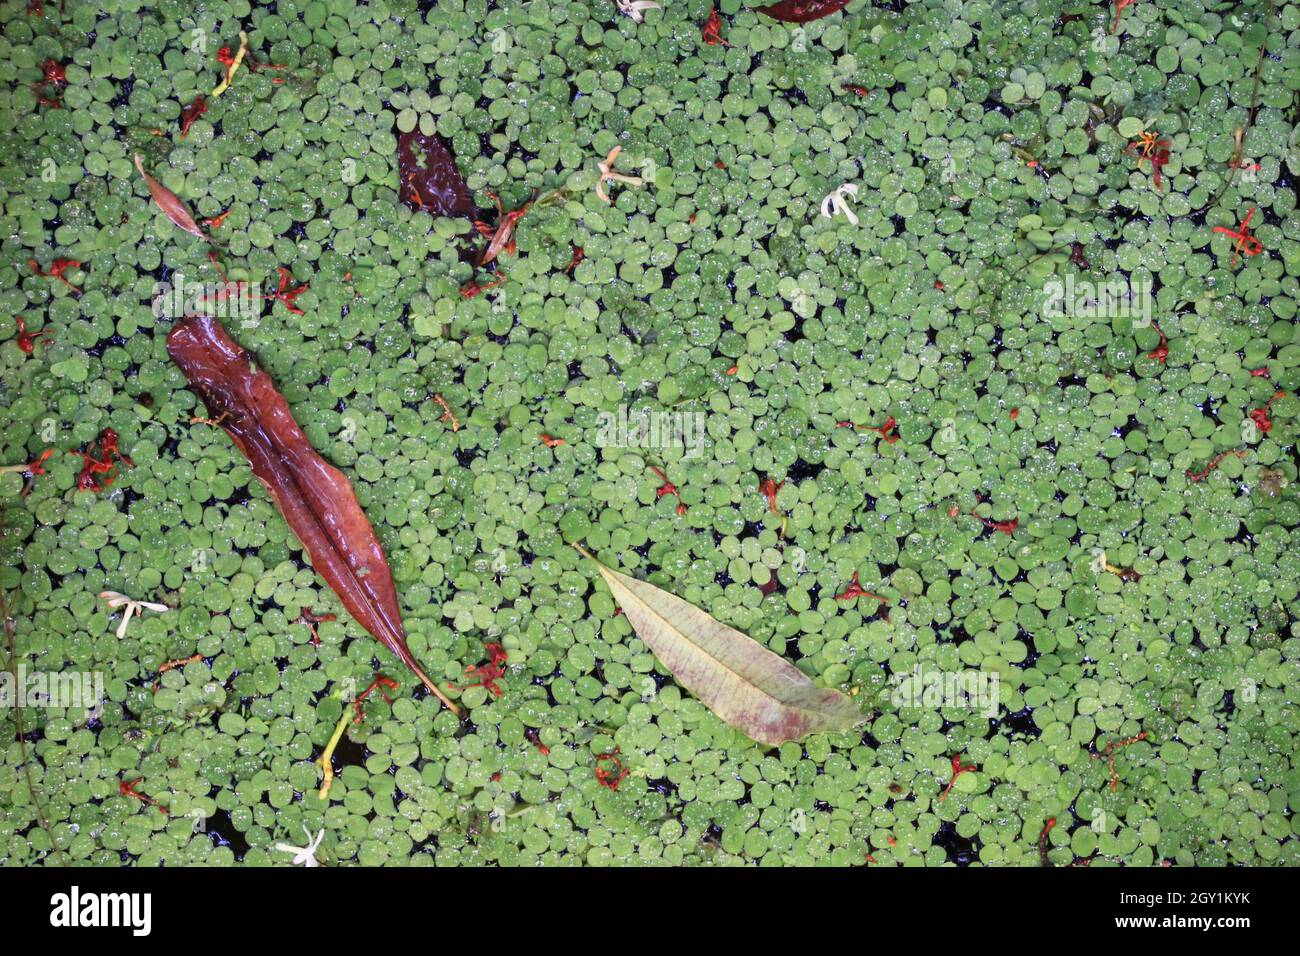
(1250, 118)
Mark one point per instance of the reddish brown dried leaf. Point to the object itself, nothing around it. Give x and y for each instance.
(429, 177)
(171, 204)
(802, 11)
(316, 498)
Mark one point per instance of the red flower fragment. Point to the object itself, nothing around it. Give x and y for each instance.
(709, 33)
(1119, 13)
(613, 775)
(31, 470)
(102, 463)
(888, 431)
(1042, 841)
(957, 771)
(1246, 243)
(768, 489)
(57, 268)
(286, 295)
(311, 619)
(855, 589)
(490, 672)
(1161, 352)
(214, 223)
(471, 288)
(534, 737)
(379, 683)
(27, 340)
(668, 488)
(1260, 415)
(127, 789)
(1006, 527)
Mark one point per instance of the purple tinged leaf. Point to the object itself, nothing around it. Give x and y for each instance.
(429, 177)
(803, 11)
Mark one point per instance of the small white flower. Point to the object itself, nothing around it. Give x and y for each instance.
(607, 175)
(304, 855)
(633, 8)
(837, 202)
(116, 600)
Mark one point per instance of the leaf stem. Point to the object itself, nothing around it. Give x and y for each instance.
(425, 679)
(324, 761)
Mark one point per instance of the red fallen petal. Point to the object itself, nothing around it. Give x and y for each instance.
(55, 73)
(1006, 527)
(803, 11)
(191, 113)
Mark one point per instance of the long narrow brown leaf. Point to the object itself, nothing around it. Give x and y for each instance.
(171, 204)
(740, 680)
(315, 497)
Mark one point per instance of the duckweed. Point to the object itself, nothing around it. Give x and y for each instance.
(1121, 634)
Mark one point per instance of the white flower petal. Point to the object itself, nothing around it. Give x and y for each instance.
(126, 617)
(304, 855)
(836, 202)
